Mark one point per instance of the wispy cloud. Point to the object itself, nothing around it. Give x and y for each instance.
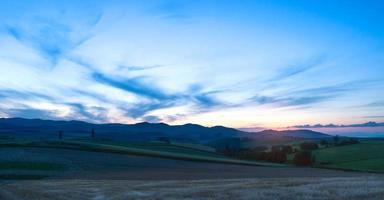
(52, 38)
(296, 69)
(141, 109)
(139, 68)
(15, 94)
(134, 85)
(92, 113)
(313, 95)
(374, 116)
(31, 113)
(171, 9)
(290, 101)
(368, 124)
(375, 104)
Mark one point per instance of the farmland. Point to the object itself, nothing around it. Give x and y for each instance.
(368, 155)
(155, 149)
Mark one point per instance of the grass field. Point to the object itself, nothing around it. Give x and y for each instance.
(156, 149)
(194, 155)
(366, 156)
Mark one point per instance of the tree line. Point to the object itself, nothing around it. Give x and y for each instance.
(302, 155)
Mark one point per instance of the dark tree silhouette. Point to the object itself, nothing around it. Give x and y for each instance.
(336, 140)
(93, 133)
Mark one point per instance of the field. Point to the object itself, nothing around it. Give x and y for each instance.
(79, 164)
(366, 156)
(356, 188)
(155, 149)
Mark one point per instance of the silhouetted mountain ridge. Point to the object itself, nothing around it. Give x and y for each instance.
(140, 131)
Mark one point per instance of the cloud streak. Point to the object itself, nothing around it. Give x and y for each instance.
(133, 85)
(297, 69)
(368, 124)
(52, 38)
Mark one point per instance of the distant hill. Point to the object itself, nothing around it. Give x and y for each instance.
(140, 131)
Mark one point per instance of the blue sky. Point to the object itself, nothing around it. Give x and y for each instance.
(233, 63)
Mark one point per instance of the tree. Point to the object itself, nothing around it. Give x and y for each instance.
(303, 158)
(93, 133)
(336, 140)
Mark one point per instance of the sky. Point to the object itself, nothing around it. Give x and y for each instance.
(242, 64)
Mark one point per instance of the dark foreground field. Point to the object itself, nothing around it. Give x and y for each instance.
(356, 188)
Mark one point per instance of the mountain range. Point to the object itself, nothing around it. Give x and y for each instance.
(20, 127)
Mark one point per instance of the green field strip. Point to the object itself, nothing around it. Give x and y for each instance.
(145, 152)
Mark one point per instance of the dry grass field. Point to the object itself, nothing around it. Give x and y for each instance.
(356, 188)
(68, 174)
